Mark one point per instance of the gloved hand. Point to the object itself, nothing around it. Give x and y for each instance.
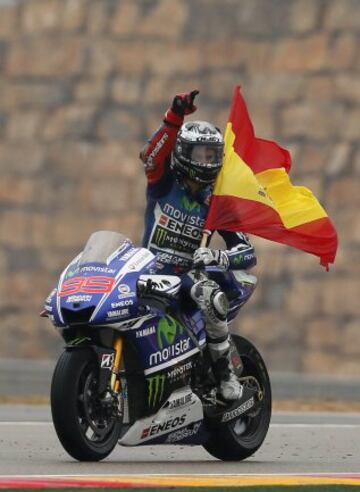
(206, 256)
(184, 103)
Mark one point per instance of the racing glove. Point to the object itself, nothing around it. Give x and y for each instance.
(210, 257)
(182, 105)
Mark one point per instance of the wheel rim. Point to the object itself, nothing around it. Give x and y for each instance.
(96, 420)
(245, 429)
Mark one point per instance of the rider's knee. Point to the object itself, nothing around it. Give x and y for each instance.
(211, 300)
(245, 279)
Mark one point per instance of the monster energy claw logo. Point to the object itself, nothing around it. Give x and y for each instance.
(190, 205)
(160, 236)
(156, 389)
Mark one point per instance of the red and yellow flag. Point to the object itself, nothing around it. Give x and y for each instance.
(253, 193)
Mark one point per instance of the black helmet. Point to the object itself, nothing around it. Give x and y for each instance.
(198, 151)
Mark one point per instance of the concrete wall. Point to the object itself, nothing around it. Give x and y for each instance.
(83, 83)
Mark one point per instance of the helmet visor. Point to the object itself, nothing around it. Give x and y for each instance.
(200, 161)
(203, 154)
(206, 154)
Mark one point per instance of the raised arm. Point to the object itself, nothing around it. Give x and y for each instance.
(156, 153)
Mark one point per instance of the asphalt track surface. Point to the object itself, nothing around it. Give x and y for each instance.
(297, 443)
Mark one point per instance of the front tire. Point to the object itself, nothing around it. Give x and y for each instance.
(242, 437)
(87, 427)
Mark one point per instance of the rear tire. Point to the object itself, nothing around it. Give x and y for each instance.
(241, 438)
(87, 429)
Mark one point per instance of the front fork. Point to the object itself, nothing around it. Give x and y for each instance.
(115, 380)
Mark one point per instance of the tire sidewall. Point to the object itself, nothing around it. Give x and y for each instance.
(67, 376)
(224, 444)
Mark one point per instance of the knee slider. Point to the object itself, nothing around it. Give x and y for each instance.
(211, 300)
(220, 304)
(202, 290)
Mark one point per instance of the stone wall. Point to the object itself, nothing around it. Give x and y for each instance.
(84, 82)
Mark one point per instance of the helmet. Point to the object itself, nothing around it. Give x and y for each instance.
(198, 152)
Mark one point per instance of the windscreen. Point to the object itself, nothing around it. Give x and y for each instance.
(101, 245)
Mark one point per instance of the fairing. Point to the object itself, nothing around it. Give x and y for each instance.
(99, 286)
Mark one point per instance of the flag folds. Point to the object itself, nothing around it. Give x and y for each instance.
(253, 193)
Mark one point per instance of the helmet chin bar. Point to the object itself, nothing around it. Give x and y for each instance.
(193, 186)
(201, 175)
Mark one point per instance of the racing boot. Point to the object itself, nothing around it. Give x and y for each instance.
(214, 306)
(229, 386)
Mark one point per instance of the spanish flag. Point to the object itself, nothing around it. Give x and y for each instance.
(253, 193)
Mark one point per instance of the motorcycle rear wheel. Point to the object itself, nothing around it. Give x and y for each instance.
(241, 438)
(86, 427)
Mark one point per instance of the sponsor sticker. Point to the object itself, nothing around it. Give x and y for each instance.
(181, 434)
(181, 401)
(140, 260)
(97, 269)
(117, 313)
(184, 217)
(79, 298)
(149, 163)
(125, 302)
(107, 361)
(50, 296)
(166, 353)
(156, 429)
(232, 414)
(174, 259)
(125, 291)
(178, 372)
(156, 386)
(185, 241)
(71, 273)
(145, 332)
(167, 331)
(128, 254)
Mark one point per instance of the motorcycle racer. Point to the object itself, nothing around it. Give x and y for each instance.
(182, 161)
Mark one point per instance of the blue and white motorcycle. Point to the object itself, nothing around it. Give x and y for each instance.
(136, 369)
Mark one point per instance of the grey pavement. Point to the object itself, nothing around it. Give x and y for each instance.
(296, 443)
(27, 377)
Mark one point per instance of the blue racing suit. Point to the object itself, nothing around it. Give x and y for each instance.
(174, 222)
(174, 218)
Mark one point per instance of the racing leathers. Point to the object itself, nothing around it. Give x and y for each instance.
(174, 223)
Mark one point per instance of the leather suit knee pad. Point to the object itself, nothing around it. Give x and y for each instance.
(211, 300)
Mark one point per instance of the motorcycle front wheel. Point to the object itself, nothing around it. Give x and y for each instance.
(86, 423)
(242, 437)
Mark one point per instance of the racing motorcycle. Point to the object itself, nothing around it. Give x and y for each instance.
(136, 369)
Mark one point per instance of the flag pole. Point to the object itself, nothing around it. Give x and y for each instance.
(205, 238)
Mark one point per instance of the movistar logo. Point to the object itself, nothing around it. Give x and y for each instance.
(71, 273)
(190, 205)
(156, 389)
(166, 330)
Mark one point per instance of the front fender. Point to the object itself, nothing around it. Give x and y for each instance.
(104, 356)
